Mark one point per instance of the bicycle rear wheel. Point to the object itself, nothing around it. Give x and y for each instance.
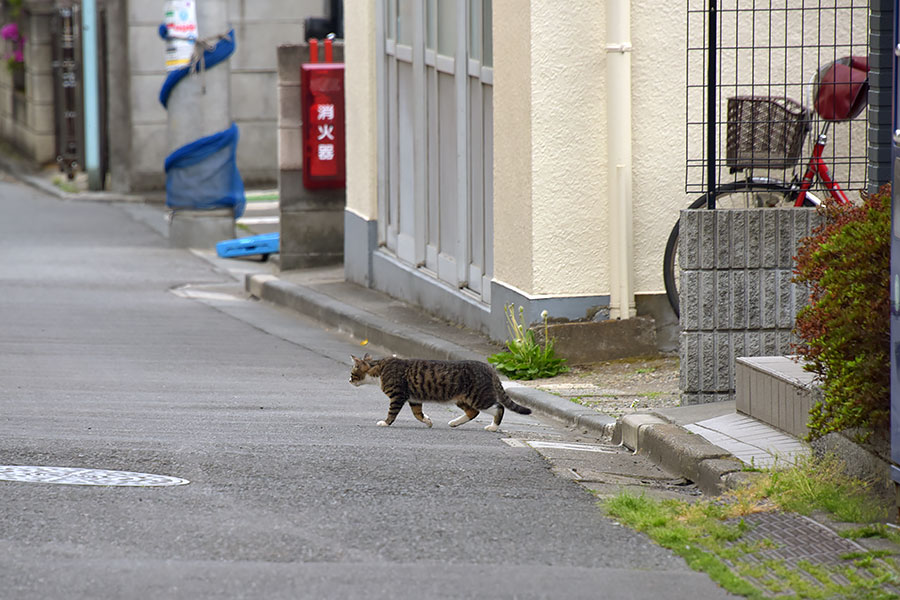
(744, 194)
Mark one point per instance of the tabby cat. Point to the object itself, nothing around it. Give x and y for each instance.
(472, 385)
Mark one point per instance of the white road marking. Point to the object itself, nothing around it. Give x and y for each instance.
(514, 442)
(258, 220)
(261, 205)
(185, 292)
(537, 444)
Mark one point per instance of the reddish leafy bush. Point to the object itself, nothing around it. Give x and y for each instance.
(845, 329)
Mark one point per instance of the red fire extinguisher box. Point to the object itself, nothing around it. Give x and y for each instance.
(322, 103)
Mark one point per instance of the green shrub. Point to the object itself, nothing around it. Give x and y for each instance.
(845, 329)
(526, 358)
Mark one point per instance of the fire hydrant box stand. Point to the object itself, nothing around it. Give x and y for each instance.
(322, 105)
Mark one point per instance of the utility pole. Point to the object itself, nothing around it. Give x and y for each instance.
(199, 106)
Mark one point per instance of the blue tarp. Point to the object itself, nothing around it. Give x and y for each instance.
(203, 175)
(265, 244)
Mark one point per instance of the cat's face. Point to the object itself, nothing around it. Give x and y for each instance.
(360, 372)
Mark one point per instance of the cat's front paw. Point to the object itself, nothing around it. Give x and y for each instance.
(427, 420)
(383, 424)
(492, 427)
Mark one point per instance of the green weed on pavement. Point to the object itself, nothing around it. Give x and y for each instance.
(709, 533)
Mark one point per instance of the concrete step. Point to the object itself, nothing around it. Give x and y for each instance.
(775, 390)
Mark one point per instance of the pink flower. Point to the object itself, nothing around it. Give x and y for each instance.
(10, 31)
(18, 56)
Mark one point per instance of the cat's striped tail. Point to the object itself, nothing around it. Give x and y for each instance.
(506, 401)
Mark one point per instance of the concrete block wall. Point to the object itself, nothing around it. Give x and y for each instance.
(737, 298)
(27, 117)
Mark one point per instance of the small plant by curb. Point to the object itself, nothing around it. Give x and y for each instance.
(526, 358)
(65, 186)
(711, 534)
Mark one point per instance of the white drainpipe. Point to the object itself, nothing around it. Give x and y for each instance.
(618, 129)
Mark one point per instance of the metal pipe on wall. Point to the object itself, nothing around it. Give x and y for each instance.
(619, 163)
(91, 93)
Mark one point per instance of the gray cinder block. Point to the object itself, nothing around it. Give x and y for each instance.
(689, 239)
(737, 297)
(707, 238)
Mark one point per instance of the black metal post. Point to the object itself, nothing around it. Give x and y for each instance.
(711, 65)
(895, 260)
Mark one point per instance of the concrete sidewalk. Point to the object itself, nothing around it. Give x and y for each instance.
(708, 444)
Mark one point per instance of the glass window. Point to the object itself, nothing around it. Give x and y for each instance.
(405, 24)
(487, 35)
(475, 29)
(430, 24)
(446, 27)
(390, 18)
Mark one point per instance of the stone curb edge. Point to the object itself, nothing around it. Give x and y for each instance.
(681, 452)
(351, 320)
(673, 447)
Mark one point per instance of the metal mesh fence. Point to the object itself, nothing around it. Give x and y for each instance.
(782, 79)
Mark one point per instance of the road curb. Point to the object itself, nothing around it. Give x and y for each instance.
(673, 447)
(349, 319)
(26, 173)
(680, 452)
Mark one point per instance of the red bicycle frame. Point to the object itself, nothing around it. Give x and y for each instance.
(818, 168)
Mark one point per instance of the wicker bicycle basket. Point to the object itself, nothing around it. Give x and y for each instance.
(764, 132)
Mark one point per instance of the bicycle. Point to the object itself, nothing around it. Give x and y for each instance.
(767, 132)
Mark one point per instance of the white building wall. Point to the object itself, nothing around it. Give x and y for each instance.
(361, 116)
(551, 233)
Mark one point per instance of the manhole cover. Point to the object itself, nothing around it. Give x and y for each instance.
(77, 476)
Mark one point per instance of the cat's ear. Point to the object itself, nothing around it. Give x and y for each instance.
(355, 360)
(367, 357)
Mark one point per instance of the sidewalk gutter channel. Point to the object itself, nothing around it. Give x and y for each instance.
(673, 447)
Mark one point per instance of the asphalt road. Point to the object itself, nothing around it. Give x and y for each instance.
(107, 361)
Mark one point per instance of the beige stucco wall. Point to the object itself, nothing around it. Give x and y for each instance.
(658, 151)
(549, 147)
(361, 104)
(513, 219)
(550, 204)
(568, 147)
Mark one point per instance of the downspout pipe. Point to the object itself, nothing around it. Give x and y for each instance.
(91, 93)
(618, 129)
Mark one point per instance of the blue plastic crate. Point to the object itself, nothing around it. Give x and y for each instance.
(264, 244)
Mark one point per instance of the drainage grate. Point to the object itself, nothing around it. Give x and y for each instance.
(79, 476)
(792, 543)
